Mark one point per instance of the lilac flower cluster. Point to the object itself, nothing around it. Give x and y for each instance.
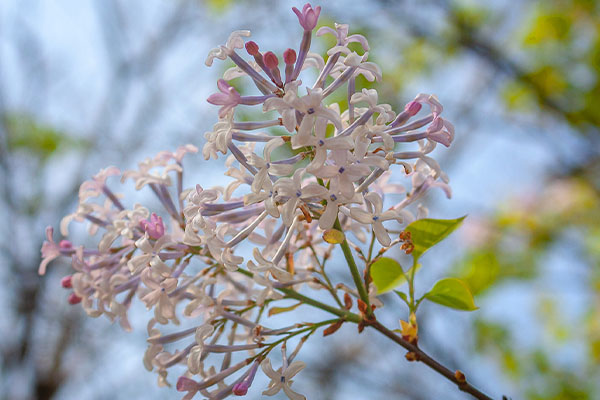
(188, 263)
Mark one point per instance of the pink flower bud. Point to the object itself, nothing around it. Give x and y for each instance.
(289, 56)
(308, 17)
(252, 48)
(66, 282)
(74, 299)
(240, 389)
(155, 228)
(413, 108)
(65, 244)
(186, 384)
(271, 60)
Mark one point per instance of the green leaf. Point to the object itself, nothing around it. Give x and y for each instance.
(386, 274)
(27, 134)
(402, 295)
(279, 310)
(427, 232)
(453, 293)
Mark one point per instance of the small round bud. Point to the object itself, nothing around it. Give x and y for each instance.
(271, 60)
(66, 282)
(460, 377)
(252, 48)
(74, 299)
(65, 244)
(289, 56)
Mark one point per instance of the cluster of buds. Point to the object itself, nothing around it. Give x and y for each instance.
(407, 244)
(188, 265)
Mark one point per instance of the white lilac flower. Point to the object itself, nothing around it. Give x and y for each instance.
(264, 265)
(344, 172)
(285, 105)
(219, 137)
(334, 200)
(292, 192)
(376, 217)
(312, 107)
(97, 185)
(267, 168)
(235, 41)
(323, 145)
(51, 250)
(341, 34)
(282, 379)
(149, 251)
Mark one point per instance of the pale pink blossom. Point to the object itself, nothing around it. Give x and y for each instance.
(228, 98)
(308, 17)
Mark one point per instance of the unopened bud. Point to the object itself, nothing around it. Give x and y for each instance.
(413, 318)
(333, 328)
(271, 60)
(240, 389)
(347, 301)
(410, 356)
(66, 282)
(65, 244)
(460, 377)
(185, 384)
(361, 326)
(289, 56)
(362, 306)
(74, 299)
(413, 108)
(404, 235)
(252, 48)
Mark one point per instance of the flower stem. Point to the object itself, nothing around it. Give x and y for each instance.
(353, 268)
(290, 293)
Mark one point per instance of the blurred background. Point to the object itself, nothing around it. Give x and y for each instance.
(89, 83)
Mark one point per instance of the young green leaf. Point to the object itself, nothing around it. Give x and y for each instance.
(386, 274)
(279, 310)
(453, 293)
(403, 296)
(427, 232)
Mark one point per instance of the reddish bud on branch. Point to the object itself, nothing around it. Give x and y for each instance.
(252, 48)
(271, 60)
(333, 328)
(74, 299)
(347, 301)
(289, 56)
(460, 377)
(66, 282)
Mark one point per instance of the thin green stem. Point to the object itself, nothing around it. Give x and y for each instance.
(370, 255)
(346, 315)
(290, 293)
(353, 268)
(411, 286)
(311, 329)
(329, 285)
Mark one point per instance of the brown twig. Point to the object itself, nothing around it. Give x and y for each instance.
(419, 355)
